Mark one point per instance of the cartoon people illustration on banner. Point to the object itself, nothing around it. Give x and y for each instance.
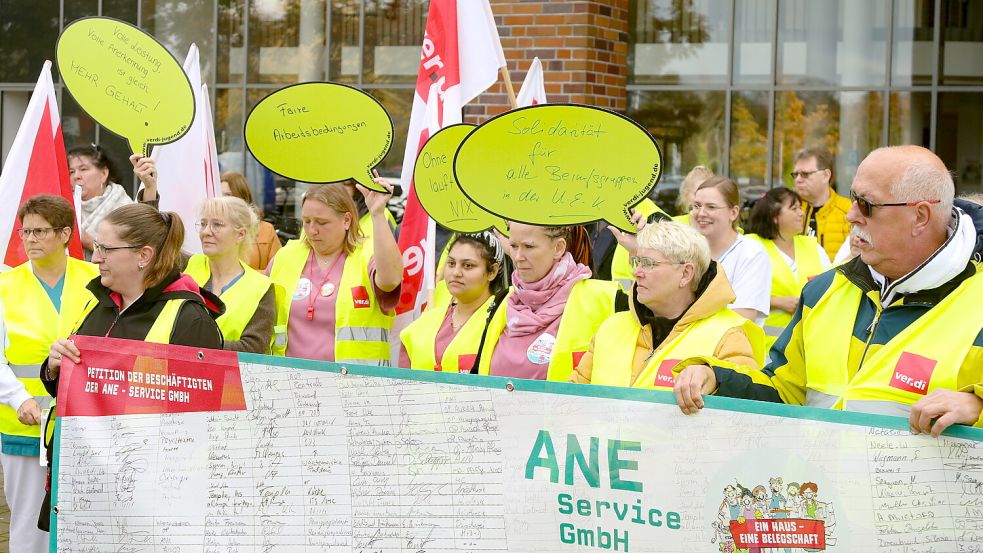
(773, 518)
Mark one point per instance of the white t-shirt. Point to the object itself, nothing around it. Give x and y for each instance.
(748, 269)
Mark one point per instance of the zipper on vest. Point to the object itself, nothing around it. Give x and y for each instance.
(116, 320)
(870, 333)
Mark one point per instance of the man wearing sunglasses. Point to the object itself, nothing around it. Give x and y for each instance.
(825, 210)
(898, 329)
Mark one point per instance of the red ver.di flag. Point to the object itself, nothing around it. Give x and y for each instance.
(460, 58)
(129, 377)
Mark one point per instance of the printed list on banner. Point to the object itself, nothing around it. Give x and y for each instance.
(382, 459)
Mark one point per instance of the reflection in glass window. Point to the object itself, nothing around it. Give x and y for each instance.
(393, 33)
(228, 128)
(962, 42)
(832, 42)
(753, 31)
(959, 138)
(910, 119)
(231, 62)
(749, 138)
(848, 124)
(177, 24)
(914, 33)
(28, 31)
(274, 37)
(399, 103)
(689, 127)
(676, 41)
(346, 58)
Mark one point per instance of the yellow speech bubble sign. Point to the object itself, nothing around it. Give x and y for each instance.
(320, 132)
(439, 193)
(558, 164)
(126, 80)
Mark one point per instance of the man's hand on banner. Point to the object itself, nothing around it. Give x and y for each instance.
(29, 412)
(62, 348)
(940, 409)
(691, 384)
(146, 170)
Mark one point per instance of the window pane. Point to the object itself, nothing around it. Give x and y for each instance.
(914, 33)
(121, 9)
(678, 42)
(959, 138)
(753, 32)
(689, 127)
(28, 31)
(849, 124)
(911, 118)
(346, 58)
(393, 36)
(274, 53)
(177, 24)
(76, 125)
(74, 9)
(836, 42)
(962, 42)
(228, 128)
(231, 63)
(749, 138)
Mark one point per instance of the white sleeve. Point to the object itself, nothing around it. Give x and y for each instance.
(843, 254)
(824, 257)
(12, 391)
(751, 280)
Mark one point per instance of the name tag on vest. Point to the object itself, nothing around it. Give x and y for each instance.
(361, 297)
(912, 373)
(664, 375)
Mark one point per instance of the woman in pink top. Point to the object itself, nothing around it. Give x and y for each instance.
(447, 339)
(554, 309)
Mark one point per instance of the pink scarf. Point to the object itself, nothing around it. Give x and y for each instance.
(532, 307)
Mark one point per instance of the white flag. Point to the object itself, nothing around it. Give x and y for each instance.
(533, 91)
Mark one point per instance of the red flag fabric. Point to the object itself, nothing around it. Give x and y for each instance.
(36, 164)
(460, 59)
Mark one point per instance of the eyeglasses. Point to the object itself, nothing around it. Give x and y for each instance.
(803, 174)
(216, 226)
(39, 233)
(647, 263)
(705, 207)
(103, 250)
(866, 207)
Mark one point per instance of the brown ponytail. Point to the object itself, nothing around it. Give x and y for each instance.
(141, 225)
(578, 241)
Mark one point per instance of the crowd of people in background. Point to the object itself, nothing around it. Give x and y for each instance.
(812, 299)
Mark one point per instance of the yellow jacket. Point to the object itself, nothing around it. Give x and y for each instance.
(831, 224)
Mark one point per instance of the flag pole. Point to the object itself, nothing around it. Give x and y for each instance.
(504, 70)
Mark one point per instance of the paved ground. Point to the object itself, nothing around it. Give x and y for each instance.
(4, 520)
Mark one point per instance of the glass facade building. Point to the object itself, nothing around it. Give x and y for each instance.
(737, 85)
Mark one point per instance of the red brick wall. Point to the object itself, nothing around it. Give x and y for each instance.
(582, 44)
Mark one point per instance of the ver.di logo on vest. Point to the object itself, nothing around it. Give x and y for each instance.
(912, 373)
(664, 376)
(361, 297)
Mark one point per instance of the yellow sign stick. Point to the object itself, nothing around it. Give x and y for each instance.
(557, 164)
(126, 80)
(320, 132)
(440, 195)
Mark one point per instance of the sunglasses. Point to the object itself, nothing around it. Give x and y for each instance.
(866, 207)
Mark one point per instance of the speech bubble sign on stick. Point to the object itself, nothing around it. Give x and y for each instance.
(126, 80)
(559, 164)
(320, 132)
(439, 193)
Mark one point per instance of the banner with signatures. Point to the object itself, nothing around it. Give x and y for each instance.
(168, 449)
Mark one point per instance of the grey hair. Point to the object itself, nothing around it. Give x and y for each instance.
(679, 243)
(923, 181)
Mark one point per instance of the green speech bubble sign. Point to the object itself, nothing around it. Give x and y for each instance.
(320, 132)
(126, 80)
(559, 164)
(440, 195)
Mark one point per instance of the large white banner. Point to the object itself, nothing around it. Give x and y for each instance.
(307, 456)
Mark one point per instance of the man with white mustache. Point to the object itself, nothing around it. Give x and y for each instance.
(896, 330)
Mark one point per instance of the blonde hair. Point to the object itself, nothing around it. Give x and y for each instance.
(693, 179)
(679, 243)
(338, 199)
(237, 212)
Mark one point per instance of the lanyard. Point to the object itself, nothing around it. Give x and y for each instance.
(314, 295)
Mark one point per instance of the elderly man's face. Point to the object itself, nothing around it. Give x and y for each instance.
(881, 237)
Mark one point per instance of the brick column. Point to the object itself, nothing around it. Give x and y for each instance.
(582, 44)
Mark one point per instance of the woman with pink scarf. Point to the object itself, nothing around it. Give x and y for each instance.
(553, 310)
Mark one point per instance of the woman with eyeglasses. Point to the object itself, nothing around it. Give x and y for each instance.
(776, 222)
(40, 301)
(344, 288)
(714, 213)
(554, 307)
(91, 170)
(447, 338)
(226, 229)
(264, 246)
(140, 293)
(678, 310)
